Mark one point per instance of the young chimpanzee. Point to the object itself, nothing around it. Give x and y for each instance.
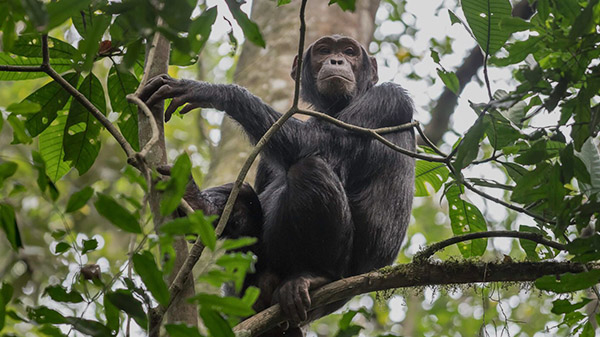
(333, 203)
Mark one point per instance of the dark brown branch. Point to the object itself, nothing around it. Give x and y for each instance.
(426, 253)
(373, 133)
(22, 69)
(416, 275)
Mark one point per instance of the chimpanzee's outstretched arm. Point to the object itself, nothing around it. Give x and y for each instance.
(249, 111)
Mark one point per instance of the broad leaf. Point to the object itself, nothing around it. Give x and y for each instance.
(60, 65)
(60, 294)
(120, 84)
(8, 222)
(6, 293)
(345, 5)
(50, 145)
(52, 97)
(469, 146)
(591, 158)
(81, 135)
(89, 327)
(429, 173)
(250, 29)
(450, 80)
(145, 266)
(117, 214)
(89, 245)
(466, 218)
(79, 199)
(174, 188)
(124, 300)
(30, 45)
(215, 323)
(568, 282)
(182, 330)
(484, 17)
(7, 169)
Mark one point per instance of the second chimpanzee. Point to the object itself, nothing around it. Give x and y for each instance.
(328, 203)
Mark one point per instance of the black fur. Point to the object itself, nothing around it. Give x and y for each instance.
(334, 203)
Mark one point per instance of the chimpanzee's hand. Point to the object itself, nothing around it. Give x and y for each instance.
(194, 93)
(294, 298)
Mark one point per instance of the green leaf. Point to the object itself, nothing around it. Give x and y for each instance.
(429, 173)
(469, 146)
(50, 144)
(117, 214)
(345, 5)
(450, 80)
(590, 157)
(124, 300)
(528, 245)
(60, 11)
(89, 327)
(120, 84)
(229, 305)
(36, 12)
(61, 247)
(566, 283)
(585, 21)
(230, 244)
(30, 45)
(89, 245)
(466, 218)
(145, 266)
(23, 108)
(453, 18)
(250, 29)
(60, 294)
(43, 181)
(182, 330)
(484, 17)
(60, 65)
(20, 136)
(560, 307)
(112, 315)
(204, 228)
(283, 2)
(79, 199)
(7, 170)
(6, 293)
(9, 226)
(51, 98)
(175, 186)
(81, 135)
(201, 27)
(216, 325)
(43, 315)
(513, 24)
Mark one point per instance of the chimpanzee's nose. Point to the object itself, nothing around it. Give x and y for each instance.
(338, 61)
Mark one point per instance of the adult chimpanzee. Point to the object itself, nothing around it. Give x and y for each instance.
(333, 203)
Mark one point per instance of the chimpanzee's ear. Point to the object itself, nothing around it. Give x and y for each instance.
(294, 68)
(374, 76)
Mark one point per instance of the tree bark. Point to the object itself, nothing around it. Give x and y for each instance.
(180, 310)
(266, 72)
(413, 275)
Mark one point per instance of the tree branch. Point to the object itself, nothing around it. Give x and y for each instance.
(416, 275)
(426, 253)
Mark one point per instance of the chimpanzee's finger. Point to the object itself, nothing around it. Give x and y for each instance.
(189, 107)
(175, 103)
(154, 84)
(166, 91)
(165, 170)
(300, 308)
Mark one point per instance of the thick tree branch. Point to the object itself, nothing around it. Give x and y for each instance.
(426, 253)
(416, 275)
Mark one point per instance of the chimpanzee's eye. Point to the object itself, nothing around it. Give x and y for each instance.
(350, 51)
(324, 51)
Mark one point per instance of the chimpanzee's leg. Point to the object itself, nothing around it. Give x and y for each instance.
(307, 234)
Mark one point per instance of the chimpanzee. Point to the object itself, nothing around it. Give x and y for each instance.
(329, 203)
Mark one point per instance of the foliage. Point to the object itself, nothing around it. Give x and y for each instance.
(552, 173)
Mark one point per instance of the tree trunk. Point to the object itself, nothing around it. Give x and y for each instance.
(266, 72)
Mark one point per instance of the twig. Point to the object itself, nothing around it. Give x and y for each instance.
(506, 204)
(373, 133)
(136, 100)
(428, 141)
(411, 275)
(426, 253)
